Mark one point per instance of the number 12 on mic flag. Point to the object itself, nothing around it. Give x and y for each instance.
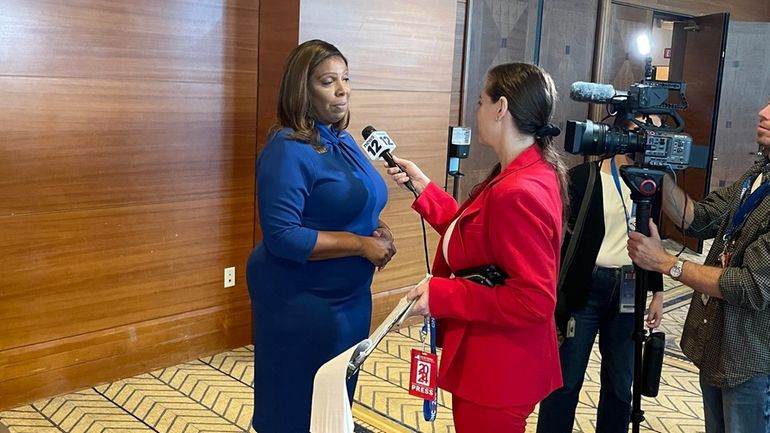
(377, 143)
(423, 375)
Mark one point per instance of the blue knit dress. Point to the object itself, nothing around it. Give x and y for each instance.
(307, 312)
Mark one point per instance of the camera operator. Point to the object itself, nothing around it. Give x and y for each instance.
(727, 331)
(590, 301)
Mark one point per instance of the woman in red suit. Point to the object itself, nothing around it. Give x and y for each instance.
(500, 355)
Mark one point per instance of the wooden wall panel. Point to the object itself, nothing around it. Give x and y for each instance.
(420, 138)
(84, 143)
(401, 68)
(278, 35)
(78, 361)
(74, 272)
(127, 185)
(455, 110)
(177, 40)
(390, 45)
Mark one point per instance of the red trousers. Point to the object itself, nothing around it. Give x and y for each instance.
(472, 418)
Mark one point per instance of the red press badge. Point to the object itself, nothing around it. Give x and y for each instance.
(423, 374)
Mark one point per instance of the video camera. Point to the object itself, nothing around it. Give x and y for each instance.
(661, 145)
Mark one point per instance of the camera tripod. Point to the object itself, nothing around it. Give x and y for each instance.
(645, 187)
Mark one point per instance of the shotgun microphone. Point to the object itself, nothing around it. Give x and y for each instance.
(582, 91)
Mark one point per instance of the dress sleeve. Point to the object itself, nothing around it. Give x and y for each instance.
(285, 177)
(523, 231)
(436, 206)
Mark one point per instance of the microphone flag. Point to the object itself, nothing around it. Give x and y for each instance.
(377, 143)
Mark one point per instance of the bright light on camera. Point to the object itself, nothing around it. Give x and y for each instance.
(643, 44)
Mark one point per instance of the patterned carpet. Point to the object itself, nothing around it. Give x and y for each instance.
(213, 394)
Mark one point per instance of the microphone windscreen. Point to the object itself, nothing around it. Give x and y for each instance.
(367, 131)
(582, 91)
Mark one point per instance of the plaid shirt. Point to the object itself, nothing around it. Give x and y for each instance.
(729, 338)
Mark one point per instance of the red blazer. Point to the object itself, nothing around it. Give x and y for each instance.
(499, 344)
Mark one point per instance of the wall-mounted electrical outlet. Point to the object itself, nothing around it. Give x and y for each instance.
(229, 277)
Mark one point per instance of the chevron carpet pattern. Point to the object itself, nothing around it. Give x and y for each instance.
(209, 395)
(213, 394)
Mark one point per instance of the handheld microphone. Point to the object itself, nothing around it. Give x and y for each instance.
(582, 91)
(378, 145)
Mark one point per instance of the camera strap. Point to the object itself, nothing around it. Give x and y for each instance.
(616, 178)
(564, 323)
(577, 231)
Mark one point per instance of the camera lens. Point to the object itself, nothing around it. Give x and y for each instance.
(589, 138)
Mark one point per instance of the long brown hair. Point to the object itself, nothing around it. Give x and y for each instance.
(295, 105)
(531, 95)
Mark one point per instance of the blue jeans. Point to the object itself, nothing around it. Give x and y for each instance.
(600, 314)
(741, 409)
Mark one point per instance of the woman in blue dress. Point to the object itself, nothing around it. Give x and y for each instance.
(319, 204)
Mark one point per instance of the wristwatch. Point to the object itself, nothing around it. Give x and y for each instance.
(676, 271)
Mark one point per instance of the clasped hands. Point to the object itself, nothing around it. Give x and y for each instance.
(380, 247)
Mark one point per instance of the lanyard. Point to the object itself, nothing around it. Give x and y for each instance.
(747, 206)
(430, 407)
(616, 178)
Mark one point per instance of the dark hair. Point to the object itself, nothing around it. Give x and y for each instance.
(295, 105)
(531, 95)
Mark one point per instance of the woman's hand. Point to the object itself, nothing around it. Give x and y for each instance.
(656, 311)
(411, 172)
(421, 291)
(378, 250)
(385, 233)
